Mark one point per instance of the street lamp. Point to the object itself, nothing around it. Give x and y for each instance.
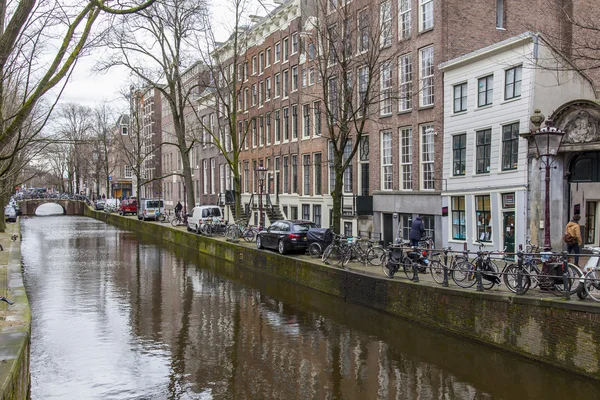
(547, 141)
(261, 173)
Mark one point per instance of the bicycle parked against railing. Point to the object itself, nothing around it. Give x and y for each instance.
(236, 231)
(436, 264)
(370, 254)
(589, 284)
(334, 253)
(465, 273)
(179, 219)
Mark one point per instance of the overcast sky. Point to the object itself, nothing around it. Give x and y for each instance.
(89, 88)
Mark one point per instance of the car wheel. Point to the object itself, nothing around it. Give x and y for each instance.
(259, 242)
(281, 247)
(188, 228)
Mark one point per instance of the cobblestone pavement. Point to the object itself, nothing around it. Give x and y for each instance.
(424, 278)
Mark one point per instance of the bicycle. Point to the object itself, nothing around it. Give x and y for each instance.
(178, 219)
(465, 273)
(235, 231)
(589, 284)
(436, 267)
(333, 254)
(372, 255)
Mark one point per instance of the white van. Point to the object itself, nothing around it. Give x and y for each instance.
(201, 214)
(150, 208)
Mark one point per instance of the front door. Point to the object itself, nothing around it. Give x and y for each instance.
(509, 231)
(364, 179)
(388, 229)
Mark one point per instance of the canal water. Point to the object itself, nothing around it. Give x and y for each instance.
(118, 316)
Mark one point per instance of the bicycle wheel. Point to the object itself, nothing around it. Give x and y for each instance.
(510, 278)
(249, 235)
(375, 255)
(592, 285)
(232, 232)
(347, 256)
(574, 275)
(463, 274)
(407, 266)
(175, 221)
(334, 255)
(388, 266)
(490, 269)
(314, 250)
(436, 269)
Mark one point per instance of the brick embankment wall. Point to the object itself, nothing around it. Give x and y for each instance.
(554, 331)
(15, 320)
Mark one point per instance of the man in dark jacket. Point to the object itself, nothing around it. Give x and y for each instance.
(178, 208)
(417, 229)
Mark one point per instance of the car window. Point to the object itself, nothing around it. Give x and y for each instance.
(216, 211)
(304, 227)
(285, 227)
(205, 213)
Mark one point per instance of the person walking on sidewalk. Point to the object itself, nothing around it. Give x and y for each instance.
(574, 231)
(417, 229)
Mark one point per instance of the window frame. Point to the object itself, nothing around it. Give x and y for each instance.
(488, 92)
(513, 143)
(483, 151)
(426, 78)
(481, 224)
(387, 163)
(406, 151)
(462, 154)
(426, 14)
(459, 223)
(405, 78)
(427, 157)
(404, 19)
(513, 83)
(462, 98)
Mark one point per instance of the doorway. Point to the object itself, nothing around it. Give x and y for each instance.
(388, 228)
(509, 231)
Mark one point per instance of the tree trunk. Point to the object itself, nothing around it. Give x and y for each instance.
(237, 185)
(187, 179)
(338, 191)
(3, 220)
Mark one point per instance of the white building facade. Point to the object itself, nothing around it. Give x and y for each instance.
(489, 96)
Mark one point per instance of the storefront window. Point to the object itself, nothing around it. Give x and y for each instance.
(483, 216)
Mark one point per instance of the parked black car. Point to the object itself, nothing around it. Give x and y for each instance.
(285, 235)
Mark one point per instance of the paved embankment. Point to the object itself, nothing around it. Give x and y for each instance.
(15, 320)
(562, 333)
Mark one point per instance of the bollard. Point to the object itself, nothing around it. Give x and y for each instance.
(519, 272)
(478, 273)
(565, 276)
(445, 281)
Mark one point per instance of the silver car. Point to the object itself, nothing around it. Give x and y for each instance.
(10, 214)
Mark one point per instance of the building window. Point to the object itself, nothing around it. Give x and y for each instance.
(499, 13)
(387, 168)
(286, 49)
(459, 147)
(294, 78)
(385, 18)
(277, 85)
(293, 212)
(590, 222)
(427, 157)
(306, 212)
(459, 230)
(204, 176)
(429, 223)
(277, 126)
(348, 171)
(261, 131)
(268, 128)
(317, 214)
(212, 175)
(286, 83)
(268, 89)
(348, 228)
(510, 146)
(317, 118)
(427, 69)
(405, 72)
(363, 83)
(277, 52)
(254, 95)
(306, 120)
(304, 77)
(261, 62)
(318, 172)
(363, 30)
(246, 177)
(311, 76)
(333, 100)
(426, 14)
(485, 91)
(306, 174)
(331, 169)
(483, 215)
(254, 133)
(286, 175)
(484, 150)
(254, 66)
(512, 84)
(404, 19)
(294, 121)
(268, 57)
(286, 126)
(294, 43)
(386, 88)
(405, 222)
(294, 173)
(406, 158)
(311, 51)
(460, 97)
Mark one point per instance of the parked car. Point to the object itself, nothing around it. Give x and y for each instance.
(18, 210)
(112, 205)
(285, 235)
(100, 204)
(10, 214)
(202, 214)
(150, 208)
(128, 206)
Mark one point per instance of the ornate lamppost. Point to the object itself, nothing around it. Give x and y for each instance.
(547, 141)
(261, 173)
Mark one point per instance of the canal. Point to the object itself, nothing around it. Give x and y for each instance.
(118, 316)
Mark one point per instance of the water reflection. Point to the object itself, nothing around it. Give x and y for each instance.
(49, 209)
(120, 317)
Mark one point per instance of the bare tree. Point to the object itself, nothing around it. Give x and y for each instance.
(156, 45)
(102, 127)
(353, 59)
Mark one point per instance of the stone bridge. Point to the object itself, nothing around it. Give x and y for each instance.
(70, 207)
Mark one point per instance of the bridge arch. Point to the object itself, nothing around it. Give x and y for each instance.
(70, 207)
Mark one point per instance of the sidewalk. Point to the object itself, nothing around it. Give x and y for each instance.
(15, 320)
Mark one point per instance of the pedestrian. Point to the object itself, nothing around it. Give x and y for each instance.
(573, 237)
(178, 208)
(417, 229)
